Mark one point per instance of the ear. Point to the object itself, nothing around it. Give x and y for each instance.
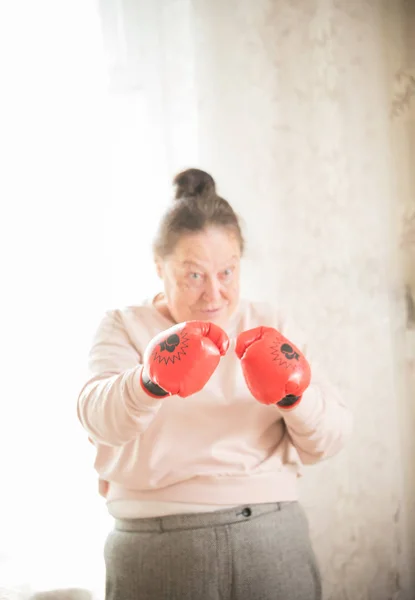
(159, 267)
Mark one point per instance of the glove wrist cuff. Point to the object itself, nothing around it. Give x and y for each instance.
(289, 401)
(152, 388)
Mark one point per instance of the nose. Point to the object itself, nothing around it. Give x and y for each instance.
(212, 291)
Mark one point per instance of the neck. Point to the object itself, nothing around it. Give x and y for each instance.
(160, 303)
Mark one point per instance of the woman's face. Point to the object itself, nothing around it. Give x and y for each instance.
(201, 276)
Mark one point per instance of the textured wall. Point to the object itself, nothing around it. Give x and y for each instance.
(294, 121)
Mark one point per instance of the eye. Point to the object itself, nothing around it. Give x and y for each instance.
(195, 278)
(227, 274)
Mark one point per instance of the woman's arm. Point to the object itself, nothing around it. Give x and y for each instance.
(112, 405)
(280, 372)
(321, 423)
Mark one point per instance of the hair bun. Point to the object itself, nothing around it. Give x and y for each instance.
(192, 183)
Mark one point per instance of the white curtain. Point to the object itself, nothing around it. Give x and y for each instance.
(84, 179)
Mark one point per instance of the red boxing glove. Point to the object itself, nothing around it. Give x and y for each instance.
(276, 372)
(182, 359)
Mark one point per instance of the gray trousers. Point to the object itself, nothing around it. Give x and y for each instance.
(253, 552)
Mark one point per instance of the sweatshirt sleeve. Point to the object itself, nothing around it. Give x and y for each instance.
(321, 422)
(112, 406)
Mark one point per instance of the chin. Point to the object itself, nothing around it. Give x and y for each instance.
(208, 315)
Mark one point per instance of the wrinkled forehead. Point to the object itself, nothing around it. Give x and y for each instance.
(214, 249)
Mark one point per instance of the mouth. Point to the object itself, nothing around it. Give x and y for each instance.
(210, 311)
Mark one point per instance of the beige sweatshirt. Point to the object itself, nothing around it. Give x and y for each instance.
(219, 447)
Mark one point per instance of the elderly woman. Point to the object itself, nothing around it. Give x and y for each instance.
(203, 407)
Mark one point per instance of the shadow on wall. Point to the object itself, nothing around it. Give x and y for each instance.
(410, 308)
